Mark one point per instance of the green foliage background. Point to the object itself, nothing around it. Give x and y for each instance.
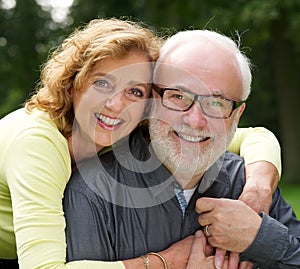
(268, 32)
(290, 192)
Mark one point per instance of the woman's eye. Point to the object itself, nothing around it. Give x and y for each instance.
(103, 83)
(136, 92)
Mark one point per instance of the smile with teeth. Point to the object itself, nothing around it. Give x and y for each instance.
(107, 120)
(192, 138)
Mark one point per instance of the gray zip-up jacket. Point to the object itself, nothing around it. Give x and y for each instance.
(123, 205)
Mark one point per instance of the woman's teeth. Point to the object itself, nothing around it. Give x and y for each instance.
(107, 120)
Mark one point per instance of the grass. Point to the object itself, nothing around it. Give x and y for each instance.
(291, 193)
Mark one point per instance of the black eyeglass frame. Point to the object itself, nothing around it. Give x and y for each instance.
(161, 91)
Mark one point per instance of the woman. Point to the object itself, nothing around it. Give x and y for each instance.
(93, 92)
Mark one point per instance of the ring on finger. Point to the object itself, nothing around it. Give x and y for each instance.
(206, 231)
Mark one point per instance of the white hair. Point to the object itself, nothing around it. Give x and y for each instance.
(242, 60)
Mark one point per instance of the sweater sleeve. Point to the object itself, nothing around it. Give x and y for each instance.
(37, 168)
(257, 144)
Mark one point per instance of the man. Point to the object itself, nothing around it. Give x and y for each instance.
(129, 206)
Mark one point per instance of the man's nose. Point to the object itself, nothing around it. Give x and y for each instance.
(195, 117)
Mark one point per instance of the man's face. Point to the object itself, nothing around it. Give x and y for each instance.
(189, 142)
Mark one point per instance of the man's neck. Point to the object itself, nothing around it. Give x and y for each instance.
(188, 181)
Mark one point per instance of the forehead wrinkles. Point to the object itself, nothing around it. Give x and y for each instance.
(170, 75)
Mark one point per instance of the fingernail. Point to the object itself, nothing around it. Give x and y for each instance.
(218, 265)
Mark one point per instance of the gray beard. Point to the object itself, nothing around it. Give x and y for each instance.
(190, 160)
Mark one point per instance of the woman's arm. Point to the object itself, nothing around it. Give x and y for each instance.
(37, 169)
(257, 144)
(176, 256)
(261, 151)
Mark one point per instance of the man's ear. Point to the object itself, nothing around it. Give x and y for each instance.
(241, 110)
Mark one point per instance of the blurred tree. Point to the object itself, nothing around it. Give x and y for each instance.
(25, 31)
(18, 27)
(286, 59)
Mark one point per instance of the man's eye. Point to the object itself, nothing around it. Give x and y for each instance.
(178, 96)
(216, 103)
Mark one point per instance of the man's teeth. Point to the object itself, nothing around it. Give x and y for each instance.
(191, 138)
(107, 120)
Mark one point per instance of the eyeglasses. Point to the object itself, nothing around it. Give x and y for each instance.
(213, 106)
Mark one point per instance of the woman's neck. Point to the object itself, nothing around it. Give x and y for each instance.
(81, 147)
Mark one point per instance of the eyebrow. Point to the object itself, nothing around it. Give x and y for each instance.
(114, 78)
(101, 74)
(213, 92)
(133, 82)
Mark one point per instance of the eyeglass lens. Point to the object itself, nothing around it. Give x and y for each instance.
(213, 106)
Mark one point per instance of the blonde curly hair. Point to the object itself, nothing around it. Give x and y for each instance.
(71, 62)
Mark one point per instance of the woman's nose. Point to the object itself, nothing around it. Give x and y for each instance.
(116, 102)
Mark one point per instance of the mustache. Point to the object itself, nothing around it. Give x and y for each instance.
(181, 128)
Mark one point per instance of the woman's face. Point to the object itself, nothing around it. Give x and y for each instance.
(112, 100)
